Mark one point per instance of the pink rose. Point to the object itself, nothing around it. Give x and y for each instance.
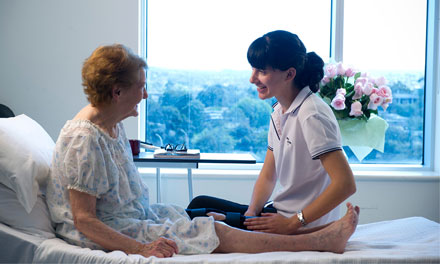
(375, 101)
(341, 91)
(361, 80)
(325, 80)
(338, 102)
(330, 70)
(340, 69)
(384, 91)
(368, 88)
(358, 87)
(350, 72)
(356, 109)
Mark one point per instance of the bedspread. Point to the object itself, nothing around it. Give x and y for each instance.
(407, 240)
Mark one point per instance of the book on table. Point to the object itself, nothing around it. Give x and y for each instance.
(177, 154)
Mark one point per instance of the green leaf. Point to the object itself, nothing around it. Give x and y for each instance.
(349, 95)
(339, 82)
(367, 114)
(349, 87)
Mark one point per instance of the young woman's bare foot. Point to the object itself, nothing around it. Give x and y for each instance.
(334, 237)
(217, 216)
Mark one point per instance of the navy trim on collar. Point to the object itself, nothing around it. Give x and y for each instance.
(275, 127)
(307, 96)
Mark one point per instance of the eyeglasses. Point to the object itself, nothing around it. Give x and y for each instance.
(178, 148)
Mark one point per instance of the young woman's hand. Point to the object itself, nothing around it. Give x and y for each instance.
(161, 248)
(250, 213)
(272, 223)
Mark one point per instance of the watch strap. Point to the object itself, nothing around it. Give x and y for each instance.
(301, 219)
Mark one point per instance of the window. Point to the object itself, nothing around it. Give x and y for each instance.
(198, 77)
(381, 40)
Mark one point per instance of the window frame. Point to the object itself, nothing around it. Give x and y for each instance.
(431, 84)
(142, 44)
(431, 154)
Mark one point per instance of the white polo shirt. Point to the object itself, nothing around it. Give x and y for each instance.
(297, 138)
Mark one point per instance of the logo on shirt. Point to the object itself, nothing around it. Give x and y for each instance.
(288, 141)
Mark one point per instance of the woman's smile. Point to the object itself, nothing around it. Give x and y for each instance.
(261, 89)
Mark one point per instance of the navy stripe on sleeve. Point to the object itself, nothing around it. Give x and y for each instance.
(325, 151)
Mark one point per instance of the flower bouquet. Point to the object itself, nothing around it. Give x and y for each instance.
(354, 98)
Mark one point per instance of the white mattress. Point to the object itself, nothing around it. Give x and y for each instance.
(408, 240)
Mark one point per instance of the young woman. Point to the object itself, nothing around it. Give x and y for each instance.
(304, 150)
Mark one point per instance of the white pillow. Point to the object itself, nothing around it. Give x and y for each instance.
(25, 157)
(12, 213)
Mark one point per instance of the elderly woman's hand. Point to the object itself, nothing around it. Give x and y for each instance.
(161, 248)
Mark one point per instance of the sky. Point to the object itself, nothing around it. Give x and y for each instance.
(385, 34)
(215, 35)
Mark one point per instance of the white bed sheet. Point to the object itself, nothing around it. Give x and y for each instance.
(407, 240)
(16, 246)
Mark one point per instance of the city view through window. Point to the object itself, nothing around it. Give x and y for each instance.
(198, 76)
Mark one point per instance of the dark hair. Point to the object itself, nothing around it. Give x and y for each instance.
(282, 50)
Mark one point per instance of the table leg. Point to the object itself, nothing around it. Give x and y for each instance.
(158, 200)
(190, 185)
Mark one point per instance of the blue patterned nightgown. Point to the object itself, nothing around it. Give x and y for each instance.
(89, 160)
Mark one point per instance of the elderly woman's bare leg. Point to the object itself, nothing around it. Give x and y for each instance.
(332, 238)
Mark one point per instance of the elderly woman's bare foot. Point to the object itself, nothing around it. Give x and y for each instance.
(334, 237)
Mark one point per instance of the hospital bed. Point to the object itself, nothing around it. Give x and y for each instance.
(27, 234)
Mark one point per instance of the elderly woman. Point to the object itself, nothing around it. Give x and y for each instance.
(97, 199)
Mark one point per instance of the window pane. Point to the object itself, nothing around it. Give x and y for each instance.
(387, 38)
(198, 77)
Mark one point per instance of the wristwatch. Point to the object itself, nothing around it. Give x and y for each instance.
(301, 218)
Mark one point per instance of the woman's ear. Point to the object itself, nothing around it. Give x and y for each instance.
(291, 73)
(116, 92)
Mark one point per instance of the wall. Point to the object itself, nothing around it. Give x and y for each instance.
(380, 197)
(43, 45)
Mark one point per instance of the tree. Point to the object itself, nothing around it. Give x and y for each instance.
(214, 140)
(218, 95)
(176, 97)
(256, 110)
(182, 115)
(194, 117)
(249, 139)
(212, 95)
